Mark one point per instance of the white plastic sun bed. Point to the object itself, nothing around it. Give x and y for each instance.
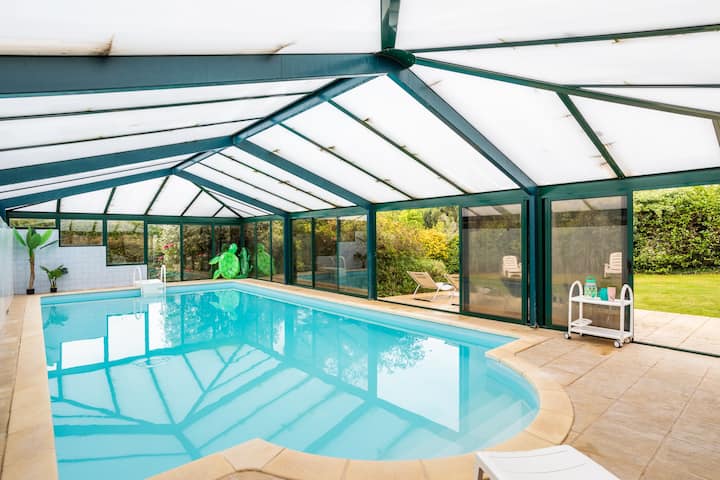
(554, 463)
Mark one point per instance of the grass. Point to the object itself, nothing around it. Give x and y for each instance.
(693, 294)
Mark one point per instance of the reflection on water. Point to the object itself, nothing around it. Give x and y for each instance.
(140, 387)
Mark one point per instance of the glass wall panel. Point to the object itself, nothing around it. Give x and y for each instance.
(588, 238)
(32, 222)
(80, 233)
(197, 247)
(225, 235)
(302, 252)
(164, 249)
(249, 244)
(263, 259)
(326, 259)
(493, 263)
(278, 241)
(352, 255)
(125, 242)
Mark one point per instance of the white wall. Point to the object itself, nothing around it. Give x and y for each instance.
(6, 269)
(86, 268)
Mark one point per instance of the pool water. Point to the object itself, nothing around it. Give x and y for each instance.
(139, 386)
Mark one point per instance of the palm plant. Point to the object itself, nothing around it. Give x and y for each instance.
(54, 274)
(33, 241)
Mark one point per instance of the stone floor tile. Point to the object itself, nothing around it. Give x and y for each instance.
(679, 459)
(366, 470)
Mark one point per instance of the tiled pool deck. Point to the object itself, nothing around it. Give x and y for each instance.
(642, 412)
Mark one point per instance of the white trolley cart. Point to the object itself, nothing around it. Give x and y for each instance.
(583, 326)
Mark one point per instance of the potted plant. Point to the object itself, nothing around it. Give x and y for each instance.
(33, 241)
(54, 274)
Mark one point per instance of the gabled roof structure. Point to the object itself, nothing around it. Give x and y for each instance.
(283, 108)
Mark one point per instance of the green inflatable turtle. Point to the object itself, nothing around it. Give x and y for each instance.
(228, 263)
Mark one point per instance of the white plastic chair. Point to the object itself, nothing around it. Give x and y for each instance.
(510, 267)
(554, 463)
(614, 267)
(424, 280)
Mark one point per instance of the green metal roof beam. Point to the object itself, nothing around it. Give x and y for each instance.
(279, 162)
(321, 95)
(107, 204)
(271, 177)
(389, 12)
(196, 159)
(343, 159)
(578, 92)
(200, 181)
(47, 196)
(580, 119)
(392, 142)
(222, 204)
(662, 32)
(110, 160)
(123, 216)
(58, 75)
(434, 103)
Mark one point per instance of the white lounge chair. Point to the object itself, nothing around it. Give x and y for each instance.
(614, 267)
(554, 463)
(510, 267)
(424, 280)
(454, 280)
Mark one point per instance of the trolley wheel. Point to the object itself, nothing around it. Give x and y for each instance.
(567, 335)
(618, 344)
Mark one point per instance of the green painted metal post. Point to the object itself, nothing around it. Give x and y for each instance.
(534, 251)
(288, 260)
(371, 244)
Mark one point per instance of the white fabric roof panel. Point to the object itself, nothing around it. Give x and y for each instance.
(333, 129)
(89, 102)
(134, 198)
(644, 141)
(203, 206)
(49, 182)
(429, 23)
(174, 197)
(49, 130)
(137, 27)
(57, 185)
(288, 178)
(532, 127)
(50, 206)
(672, 59)
(387, 108)
(35, 156)
(257, 178)
(295, 149)
(241, 186)
(91, 202)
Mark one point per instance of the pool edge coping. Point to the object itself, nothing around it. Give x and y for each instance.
(30, 423)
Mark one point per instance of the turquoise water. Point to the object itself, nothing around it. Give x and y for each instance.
(139, 386)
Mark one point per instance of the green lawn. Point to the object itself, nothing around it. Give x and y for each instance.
(693, 294)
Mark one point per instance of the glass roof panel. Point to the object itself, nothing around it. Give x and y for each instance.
(226, 213)
(50, 180)
(90, 202)
(257, 164)
(203, 206)
(89, 102)
(56, 185)
(644, 141)
(175, 195)
(51, 130)
(330, 127)
(532, 127)
(703, 98)
(397, 115)
(35, 156)
(293, 148)
(254, 177)
(244, 188)
(654, 60)
(134, 199)
(429, 23)
(50, 206)
(240, 207)
(188, 27)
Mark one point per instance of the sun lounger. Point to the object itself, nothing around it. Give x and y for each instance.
(424, 280)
